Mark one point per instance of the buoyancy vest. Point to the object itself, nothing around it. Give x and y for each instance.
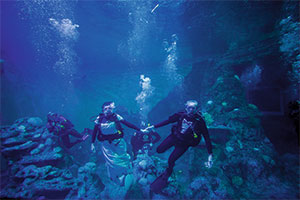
(110, 137)
(190, 136)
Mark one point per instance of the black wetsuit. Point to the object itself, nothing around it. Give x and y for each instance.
(62, 128)
(194, 128)
(112, 118)
(138, 140)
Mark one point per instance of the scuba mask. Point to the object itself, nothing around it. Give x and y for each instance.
(109, 110)
(191, 107)
(190, 110)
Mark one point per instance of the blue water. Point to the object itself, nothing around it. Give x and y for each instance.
(98, 54)
(238, 59)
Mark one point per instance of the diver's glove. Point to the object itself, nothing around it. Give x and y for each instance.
(209, 162)
(148, 129)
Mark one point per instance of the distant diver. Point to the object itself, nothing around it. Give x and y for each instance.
(186, 133)
(63, 128)
(110, 133)
(143, 142)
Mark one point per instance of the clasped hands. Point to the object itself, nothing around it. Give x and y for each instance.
(148, 129)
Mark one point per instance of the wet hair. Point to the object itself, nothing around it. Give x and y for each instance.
(106, 104)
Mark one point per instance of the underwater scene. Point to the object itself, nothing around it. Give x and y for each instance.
(149, 99)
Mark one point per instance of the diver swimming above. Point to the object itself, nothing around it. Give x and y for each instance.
(185, 133)
(110, 133)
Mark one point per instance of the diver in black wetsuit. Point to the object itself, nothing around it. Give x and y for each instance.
(63, 128)
(143, 141)
(186, 133)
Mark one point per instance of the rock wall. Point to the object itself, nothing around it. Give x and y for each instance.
(35, 166)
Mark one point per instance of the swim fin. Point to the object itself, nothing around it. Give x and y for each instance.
(159, 183)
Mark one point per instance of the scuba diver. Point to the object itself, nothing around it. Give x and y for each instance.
(186, 133)
(143, 142)
(109, 132)
(63, 128)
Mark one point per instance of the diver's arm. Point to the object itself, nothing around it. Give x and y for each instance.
(126, 123)
(203, 129)
(129, 125)
(172, 119)
(75, 133)
(95, 131)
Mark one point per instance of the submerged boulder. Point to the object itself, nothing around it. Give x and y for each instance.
(32, 163)
(45, 158)
(7, 133)
(14, 141)
(35, 121)
(89, 183)
(20, 149)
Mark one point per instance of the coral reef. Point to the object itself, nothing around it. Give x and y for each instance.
(33, 165)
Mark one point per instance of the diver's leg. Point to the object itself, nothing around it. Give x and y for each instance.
(75, 133)
(79, 135)
(166, 144)
(162, 180)
(177, 153)
(66, 141)
(76, 142)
